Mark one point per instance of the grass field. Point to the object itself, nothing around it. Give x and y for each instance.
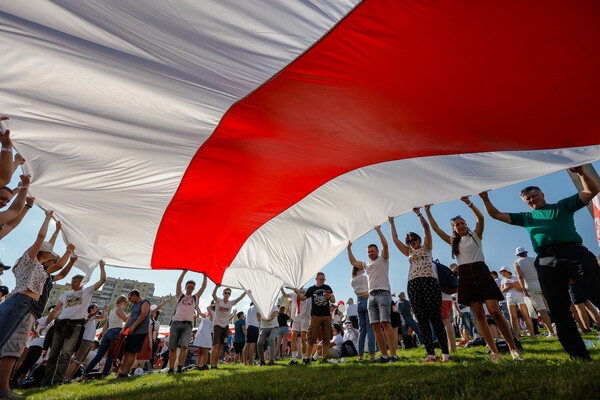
(546, 374)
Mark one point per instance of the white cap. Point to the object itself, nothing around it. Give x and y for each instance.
(520, 250)
(505, 268)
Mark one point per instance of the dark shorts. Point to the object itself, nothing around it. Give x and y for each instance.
(220, 335)
(475, 284)
(577, 293)
(135, 343)
(238, 347)
(252, 334)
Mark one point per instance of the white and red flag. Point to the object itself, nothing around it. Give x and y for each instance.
(252, 139)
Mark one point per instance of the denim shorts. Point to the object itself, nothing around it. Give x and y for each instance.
(380, 306)
(284, 330)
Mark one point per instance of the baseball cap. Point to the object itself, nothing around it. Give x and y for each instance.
(520, 250)
(505, 268)
(47, 247)
(6, 267)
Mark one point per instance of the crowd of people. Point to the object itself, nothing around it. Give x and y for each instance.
(558, 290)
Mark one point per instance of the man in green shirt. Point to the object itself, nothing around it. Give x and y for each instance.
(561, 255)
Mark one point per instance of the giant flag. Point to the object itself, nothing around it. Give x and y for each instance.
(252, 139)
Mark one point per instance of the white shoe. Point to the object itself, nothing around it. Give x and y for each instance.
(334, 361)
(342, 360)
(516, 355)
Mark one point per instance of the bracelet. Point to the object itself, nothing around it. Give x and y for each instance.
(28, 206)
(7, 149)
(470, 205)
(22, 187)
(419, 215)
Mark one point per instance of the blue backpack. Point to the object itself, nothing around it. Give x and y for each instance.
(448, 278)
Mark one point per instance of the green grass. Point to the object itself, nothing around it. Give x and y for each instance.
(546, 374)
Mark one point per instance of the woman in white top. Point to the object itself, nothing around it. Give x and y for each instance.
(360, 285)
(204, 337)
(423, 287)
(116, 317)
(475, 283)
(515, 299)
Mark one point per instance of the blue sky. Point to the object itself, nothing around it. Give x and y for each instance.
(500, 240)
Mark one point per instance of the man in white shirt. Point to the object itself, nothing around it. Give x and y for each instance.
(252, 329)
(180, 331)
(72, 307)
(380, 295)
(221, 322)
(528, 277)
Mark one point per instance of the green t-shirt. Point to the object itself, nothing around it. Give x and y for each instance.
(552, 224)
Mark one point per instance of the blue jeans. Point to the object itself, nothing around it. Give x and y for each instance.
(409, 322)
(107, 339)
(365, 330)
(12, 313)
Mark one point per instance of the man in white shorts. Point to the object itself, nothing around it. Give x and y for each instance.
(221, 322)
(528, 277)
(300, 313)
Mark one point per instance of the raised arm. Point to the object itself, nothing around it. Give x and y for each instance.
(6, 162)
(492, 210)
(300, 295)
(239, 298)
(401, 246)
(201, 290)
(351, 257)
(443, 235)
(65, 271)
(385, 250)
(178, 291)
(41, 236)
(480, 220)
(63, 260)
(214, 293)
(13, 223)
(427, 242)
(102, 276)
(18, 203)
(591, 187)
(54, 236)
(285, 294)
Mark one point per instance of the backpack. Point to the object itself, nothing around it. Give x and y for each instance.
(448, 278)
(348, 349)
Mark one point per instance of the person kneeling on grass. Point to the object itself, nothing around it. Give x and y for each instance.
(335, 346)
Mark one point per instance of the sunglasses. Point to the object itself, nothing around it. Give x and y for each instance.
(226, 292)
(529, 189)
(412, 240)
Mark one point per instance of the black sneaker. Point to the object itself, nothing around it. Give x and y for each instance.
(394, 359)
(171, 370)
(179, 369)
(214, 367)
(383, 360)
(262, 364)
(324, 361)
(293, 362)
(203, 368)
(271, 362)
(306, 361)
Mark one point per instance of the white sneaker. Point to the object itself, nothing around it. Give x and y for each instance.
(334, 361)
(516, 355)
(315, 357)
(342, 360)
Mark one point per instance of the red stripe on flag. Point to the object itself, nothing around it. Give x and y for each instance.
(393, 80)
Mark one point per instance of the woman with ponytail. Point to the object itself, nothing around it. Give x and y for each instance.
(476, 287)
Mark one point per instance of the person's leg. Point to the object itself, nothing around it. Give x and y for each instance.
(482, 326)
(554, 279)
(514, 320)
(217, 345)
(326, 329)
(418, 299)
(107, 340)
(64, 359)
(55, 349)
(7, 365)
(128, 359)
(12, 313)
(262, 339)
(527, 319)
(501, 323)
(376, 324)
(82, 352)
(174, 334)
(545, 316)
(385, 307)
(273, 335)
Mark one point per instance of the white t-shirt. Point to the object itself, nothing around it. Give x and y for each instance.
(75, 303)
(378, 271)
(222, 313)
(352, 310)
(338, 340)
(349, 335)
(360, 284)
(527, 267)
(470, 250)
(251, 317)
(273, 323)
(185, 309)
(303, 310)
(89, 332)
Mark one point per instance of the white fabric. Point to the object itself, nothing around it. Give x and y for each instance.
(529, 273)
(75, 303)
(272, 323)
(147, 83)
(303, 310)
(204, 336)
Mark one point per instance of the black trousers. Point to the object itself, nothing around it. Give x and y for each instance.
(555, 266)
